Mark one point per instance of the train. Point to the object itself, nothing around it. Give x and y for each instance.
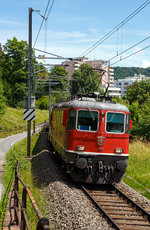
(92, 138)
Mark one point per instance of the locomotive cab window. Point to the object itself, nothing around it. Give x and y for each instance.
(127, 123)
(87, 120)
(115, 122)
(72, 119)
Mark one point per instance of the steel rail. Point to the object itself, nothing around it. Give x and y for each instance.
(144, 212)
(115, 219)
(101, 209)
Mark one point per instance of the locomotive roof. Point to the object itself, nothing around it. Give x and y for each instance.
(92, 105)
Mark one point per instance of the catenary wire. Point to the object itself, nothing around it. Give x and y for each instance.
(130, 55)
(50, 9)
(134, 13)
(43, 18)
(131, 47)
(47, 23)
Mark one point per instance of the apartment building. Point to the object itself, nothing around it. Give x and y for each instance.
(101, 66)
(123, 84)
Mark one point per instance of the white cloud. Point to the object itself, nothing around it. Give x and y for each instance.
(145, 64)
(137, 49)
(65, 35)
(9, 34)
(94, 31)
(10, 23)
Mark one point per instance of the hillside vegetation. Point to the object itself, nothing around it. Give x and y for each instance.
(12, 121)
(122, 72)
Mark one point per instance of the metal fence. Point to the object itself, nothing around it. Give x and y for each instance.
(18, 207)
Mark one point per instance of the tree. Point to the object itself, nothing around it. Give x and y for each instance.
(138, 91)
(141, 119)
(138, 95)
(58, 73)
(2, 99)
(14, 66)
(144, 120)
(85, 80)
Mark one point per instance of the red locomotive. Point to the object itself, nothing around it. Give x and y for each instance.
(92, 138)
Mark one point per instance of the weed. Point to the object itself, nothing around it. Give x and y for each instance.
(138, 170)
(18, 152)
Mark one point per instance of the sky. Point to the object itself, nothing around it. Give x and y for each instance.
(73, 26)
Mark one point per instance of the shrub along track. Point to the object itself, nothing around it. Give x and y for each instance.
(66, 205)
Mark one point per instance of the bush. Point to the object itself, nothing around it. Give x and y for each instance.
(43, 102)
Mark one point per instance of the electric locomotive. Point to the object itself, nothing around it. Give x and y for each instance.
(92, 139)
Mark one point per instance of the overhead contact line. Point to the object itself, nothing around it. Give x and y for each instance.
(115, 29)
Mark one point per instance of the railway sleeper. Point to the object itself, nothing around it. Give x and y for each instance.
(112, 204)
(126, 212)
(130, 222)
(139, 218)
(110, 201)
(119, 208)
(133, 228)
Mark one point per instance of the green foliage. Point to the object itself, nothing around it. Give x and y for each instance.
(43, 102)
(2, 100)
(58, 87)
(138, 95)
(60, 96)
(58, 73)
(43, 76)
(14, 67)
(122, 72)
(85, 80)
(121, 101)
(137, 99)
(142, 124)
(138, 91)
(60, 91)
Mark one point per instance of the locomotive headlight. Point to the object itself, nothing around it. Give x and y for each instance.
(80, 148)
(118, 150)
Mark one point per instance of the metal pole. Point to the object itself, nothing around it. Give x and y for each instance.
(34, 91)
(49, 97)
(29, 80)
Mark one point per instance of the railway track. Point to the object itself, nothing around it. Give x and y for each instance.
(121, 211)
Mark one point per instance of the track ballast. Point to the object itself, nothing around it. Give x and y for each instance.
(122, 212)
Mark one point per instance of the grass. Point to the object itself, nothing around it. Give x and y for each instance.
(138, 170)
(18, 152)
(12, 121)
(137, 173)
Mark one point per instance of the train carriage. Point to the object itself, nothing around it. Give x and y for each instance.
(92, 138)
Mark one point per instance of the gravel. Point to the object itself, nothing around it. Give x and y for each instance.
(138, 198)
(66, 205)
